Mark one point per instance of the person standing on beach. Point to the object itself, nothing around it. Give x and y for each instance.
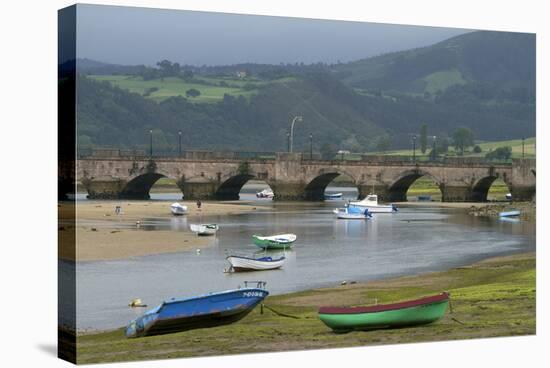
(199, 203)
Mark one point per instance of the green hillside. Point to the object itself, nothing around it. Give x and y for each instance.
(529, 149)
(212, 89)
(500, 58)
(481, 80)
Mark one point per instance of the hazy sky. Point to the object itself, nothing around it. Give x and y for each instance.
(128, 35)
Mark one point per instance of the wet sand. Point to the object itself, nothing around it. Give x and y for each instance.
(106, 241)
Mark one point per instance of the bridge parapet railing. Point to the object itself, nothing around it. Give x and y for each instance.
(188, 154)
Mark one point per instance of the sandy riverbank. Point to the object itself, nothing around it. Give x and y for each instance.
(103, 235)
(491, 298)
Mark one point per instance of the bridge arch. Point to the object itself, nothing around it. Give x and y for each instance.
(315, 187)
(139, 186)
(397, 190)
(480, 188)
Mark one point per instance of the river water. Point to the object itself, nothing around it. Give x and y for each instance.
(327, 251)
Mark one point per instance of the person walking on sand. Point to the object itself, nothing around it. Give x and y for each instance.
(199, 203)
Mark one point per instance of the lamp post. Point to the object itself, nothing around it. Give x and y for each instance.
(288, 142)
(414, 148)
(434, 153)
(179, 136)
(296, 118)
(151, 143)
(310, 146)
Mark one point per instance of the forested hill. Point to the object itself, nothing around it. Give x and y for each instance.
(499, 59)
(481, 80)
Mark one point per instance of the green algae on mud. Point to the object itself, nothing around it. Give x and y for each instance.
(495, 297)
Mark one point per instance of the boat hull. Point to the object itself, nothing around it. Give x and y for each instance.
(418, 312)
(200, 312)
(509, 214)
(375, 209)
(204, 229)
(243, 264)
(272, 242)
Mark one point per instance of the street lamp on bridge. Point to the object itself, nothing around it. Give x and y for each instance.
(296, 118)
(179, 136)
(311, 146)
(414, 147)
(151, 143)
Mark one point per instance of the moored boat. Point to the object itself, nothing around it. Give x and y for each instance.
(244, 263)
(266, 193)
(204, 229)
(513, 213)
(280, 241)
(178, 209)
(409, 313)
(333, 195)
(371, 203)
(208, 310)
(352, 213)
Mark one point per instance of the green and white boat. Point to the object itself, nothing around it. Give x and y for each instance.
(409, 313)
(281, 241)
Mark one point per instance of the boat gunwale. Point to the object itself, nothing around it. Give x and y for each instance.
(210, 294)
(256, 259)
(387, 307)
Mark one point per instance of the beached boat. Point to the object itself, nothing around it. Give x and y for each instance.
(424, 198)
(266, 193)
(333, 195)
(244, 263)
(509, 196)
(280, 241)
(513, 213)
(204, 229)
(409, 313)
(201, 311)
(371, 203)
(352, 213)
(178, 209)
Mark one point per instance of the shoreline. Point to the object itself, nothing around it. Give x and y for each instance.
(103, 235)
(492, 297)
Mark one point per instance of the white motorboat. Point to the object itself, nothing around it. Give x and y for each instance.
(204, 229)
(178, 209)
(371, 203)
(266, 193)
(244, 263)
(353, 213)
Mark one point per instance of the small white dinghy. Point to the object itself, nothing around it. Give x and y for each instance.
(266, 193)
(352, 213)
(178, 209)
(333, 195)
(244, 263)
(204, 229)
(513, 213)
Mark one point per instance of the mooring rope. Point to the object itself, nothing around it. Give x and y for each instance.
(279, 313)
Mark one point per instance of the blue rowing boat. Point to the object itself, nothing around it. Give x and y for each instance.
(208, 310)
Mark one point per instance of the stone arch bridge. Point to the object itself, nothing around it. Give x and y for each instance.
(211, 175)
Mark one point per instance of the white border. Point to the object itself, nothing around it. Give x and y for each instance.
(28, 330)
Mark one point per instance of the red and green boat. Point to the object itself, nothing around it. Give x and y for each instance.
(409, 313)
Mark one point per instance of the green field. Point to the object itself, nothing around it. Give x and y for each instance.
(209, 87)
(486, 147)
(440, 81)
(426, 186)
